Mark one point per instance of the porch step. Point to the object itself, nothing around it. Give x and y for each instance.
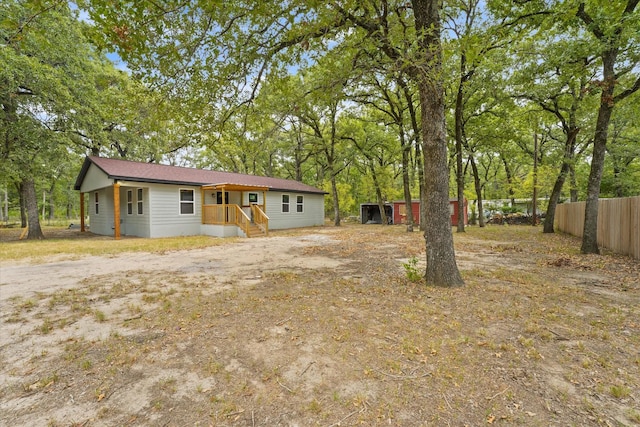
(255, 231)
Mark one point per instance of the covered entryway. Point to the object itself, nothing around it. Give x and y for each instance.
(237, 205)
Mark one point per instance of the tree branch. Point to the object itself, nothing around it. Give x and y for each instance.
(622, 95)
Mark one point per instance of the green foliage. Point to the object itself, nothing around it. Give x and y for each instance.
(411, 270)
(345, 195)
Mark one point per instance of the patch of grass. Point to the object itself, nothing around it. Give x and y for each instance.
(100, 316)
(619, 391)
(104, 246)
(411, 269)
(46, 327)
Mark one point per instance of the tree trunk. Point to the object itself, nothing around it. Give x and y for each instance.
(336, 204)
(5, 211)
(23, 206)
(509, 175)
(31, 201)
(441, 261)
(567, 161)
(590, 231)
(573, 193)
(478, 187)
(553, 199)
(379, 198)
(408, 202)
(459, 131)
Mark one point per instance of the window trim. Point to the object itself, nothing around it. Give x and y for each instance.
(287, 203)
(140, 201)
(186, 202)
(300, 203)
(129, 202)
(96, 202)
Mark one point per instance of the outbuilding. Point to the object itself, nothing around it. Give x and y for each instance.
(397, 212)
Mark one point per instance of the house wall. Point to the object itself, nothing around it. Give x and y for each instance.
(161, 209)
(134, 224)
(312, 215)
(164, 210)
(95, 179)
(102, 222)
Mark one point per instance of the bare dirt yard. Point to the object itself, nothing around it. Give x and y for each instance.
(320, 327)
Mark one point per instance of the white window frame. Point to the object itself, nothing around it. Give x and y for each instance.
(287, 203)
(299, 203)
(140, 201)
(185, 202)
(129, 202)
(96, 202)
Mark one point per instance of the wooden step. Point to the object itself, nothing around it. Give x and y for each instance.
(255, 231)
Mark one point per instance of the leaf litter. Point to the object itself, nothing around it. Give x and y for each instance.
(322, 327)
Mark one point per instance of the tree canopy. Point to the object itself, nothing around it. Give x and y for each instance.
(372, 100)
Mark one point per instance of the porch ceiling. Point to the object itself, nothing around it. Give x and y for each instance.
(235, 187)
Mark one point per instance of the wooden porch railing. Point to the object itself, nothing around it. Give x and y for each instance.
(260, 218)
(233, 214)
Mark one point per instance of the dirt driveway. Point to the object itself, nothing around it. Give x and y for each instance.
(323, 327)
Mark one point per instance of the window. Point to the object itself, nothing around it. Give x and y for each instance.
(253, 197)
(95, 201)
(285, 203)
(140, 202)
(219, 198)
(129, 202)
(187, 202)
(300, 204)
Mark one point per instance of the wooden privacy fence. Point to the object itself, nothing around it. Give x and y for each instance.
(618, 223)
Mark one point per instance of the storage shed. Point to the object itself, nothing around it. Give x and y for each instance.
(397, 213)
(370, 213)
(400, 212)
(453, 210)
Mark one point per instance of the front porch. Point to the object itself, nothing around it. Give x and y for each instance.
(249, 217)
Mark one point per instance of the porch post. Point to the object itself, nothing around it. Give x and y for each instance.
(81, 212)
(224, 206)
(202, 204)
(116, 210)
(264, 202)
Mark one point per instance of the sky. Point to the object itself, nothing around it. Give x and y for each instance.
(112, 56)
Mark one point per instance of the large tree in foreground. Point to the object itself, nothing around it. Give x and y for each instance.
(615, 30)
(217, 54)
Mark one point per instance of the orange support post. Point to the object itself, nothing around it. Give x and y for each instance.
(82, 212)
(116, 211)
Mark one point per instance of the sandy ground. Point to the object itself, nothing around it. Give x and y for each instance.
(246, 260)
(317, 328)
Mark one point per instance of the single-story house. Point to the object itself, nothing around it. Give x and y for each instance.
(152, 200)
(396, 212)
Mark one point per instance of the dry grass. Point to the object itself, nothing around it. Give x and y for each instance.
(530, 340)
(72, 244)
